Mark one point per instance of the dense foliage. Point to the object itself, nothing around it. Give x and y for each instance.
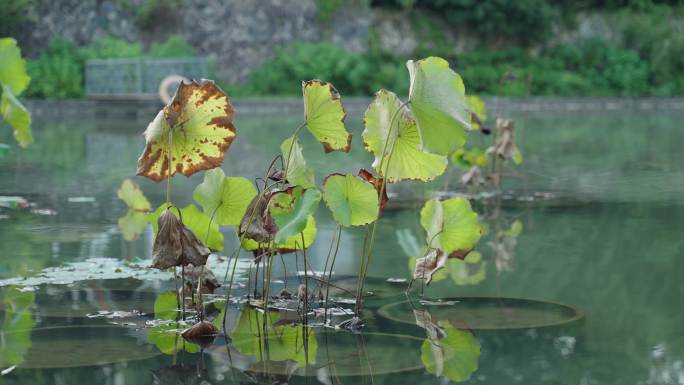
(61, 65)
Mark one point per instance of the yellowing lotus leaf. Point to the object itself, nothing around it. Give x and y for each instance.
(17, 116)
(325, 115)
(392, 136)
(194, 131)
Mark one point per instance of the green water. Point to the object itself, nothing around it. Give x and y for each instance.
(608, 242)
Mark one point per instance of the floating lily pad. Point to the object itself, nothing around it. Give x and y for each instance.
(483, 313)
(76, 346)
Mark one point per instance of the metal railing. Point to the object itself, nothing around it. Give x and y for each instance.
(138, 77)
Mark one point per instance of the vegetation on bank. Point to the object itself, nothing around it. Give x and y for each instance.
(520, 51)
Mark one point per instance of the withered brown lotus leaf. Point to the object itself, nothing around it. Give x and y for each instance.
(428, 265)
(377, 183)
(258, 224)
(209, 281)
(201, 333)
(504, 147)
(473, 177)
(176, 245)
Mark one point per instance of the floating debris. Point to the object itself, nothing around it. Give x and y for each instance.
(116, 314)
(81, 199)
(396, 280)
(13, 202)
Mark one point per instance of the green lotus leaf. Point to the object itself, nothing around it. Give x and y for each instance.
(399, 143)
(298, 172)
(12, 67)
(437, 97)
(17, 116)
(290, 244)
(130, 193)
(454, 356)
(451, 225)
(353, 202)
(291, 211)
(195, 220)
(132, 224)
(195, 130)
(325, 115)
(478, 111)
(284, 343)
(226, 198)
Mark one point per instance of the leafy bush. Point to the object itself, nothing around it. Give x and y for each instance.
(13, 13)
(111, 48)
(57, 72)
(174, 46)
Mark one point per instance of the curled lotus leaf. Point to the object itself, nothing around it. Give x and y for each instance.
(17, 116)
(176, 245)
(224, 198)
(428, 265)
(190, 134)
(130, 193)
(299, 173)
(473, 177)
(324, 115)
(391, 135)
(451, 226)
(438, 103)
(257, 224)
(352, 201)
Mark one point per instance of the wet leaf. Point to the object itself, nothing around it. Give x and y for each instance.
(377, 183)
(391, 130)
(284, 342)
(454, 356)
(132, 224)
(451, 226)
(227, 198)
(130, 193)
(353, 202)
(325, 115)
(291, 211)
(437, 97)
(12, 67)
(298, 172)
(17, 116)
(195, 129)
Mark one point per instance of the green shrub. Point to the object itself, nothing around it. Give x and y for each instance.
(58, 72)
(111, 48)
(174, 46)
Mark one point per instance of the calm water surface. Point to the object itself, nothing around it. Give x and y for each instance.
(607, 242)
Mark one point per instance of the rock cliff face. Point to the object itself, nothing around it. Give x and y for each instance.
(240, 35)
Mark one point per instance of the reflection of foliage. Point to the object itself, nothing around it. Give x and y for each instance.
(503, 244)
(15, 336)
(166, 337)
(285, 341)
(447, 352)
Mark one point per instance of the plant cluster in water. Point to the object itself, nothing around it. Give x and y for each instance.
(275, 215)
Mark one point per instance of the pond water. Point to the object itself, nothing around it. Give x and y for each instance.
(584, 288)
